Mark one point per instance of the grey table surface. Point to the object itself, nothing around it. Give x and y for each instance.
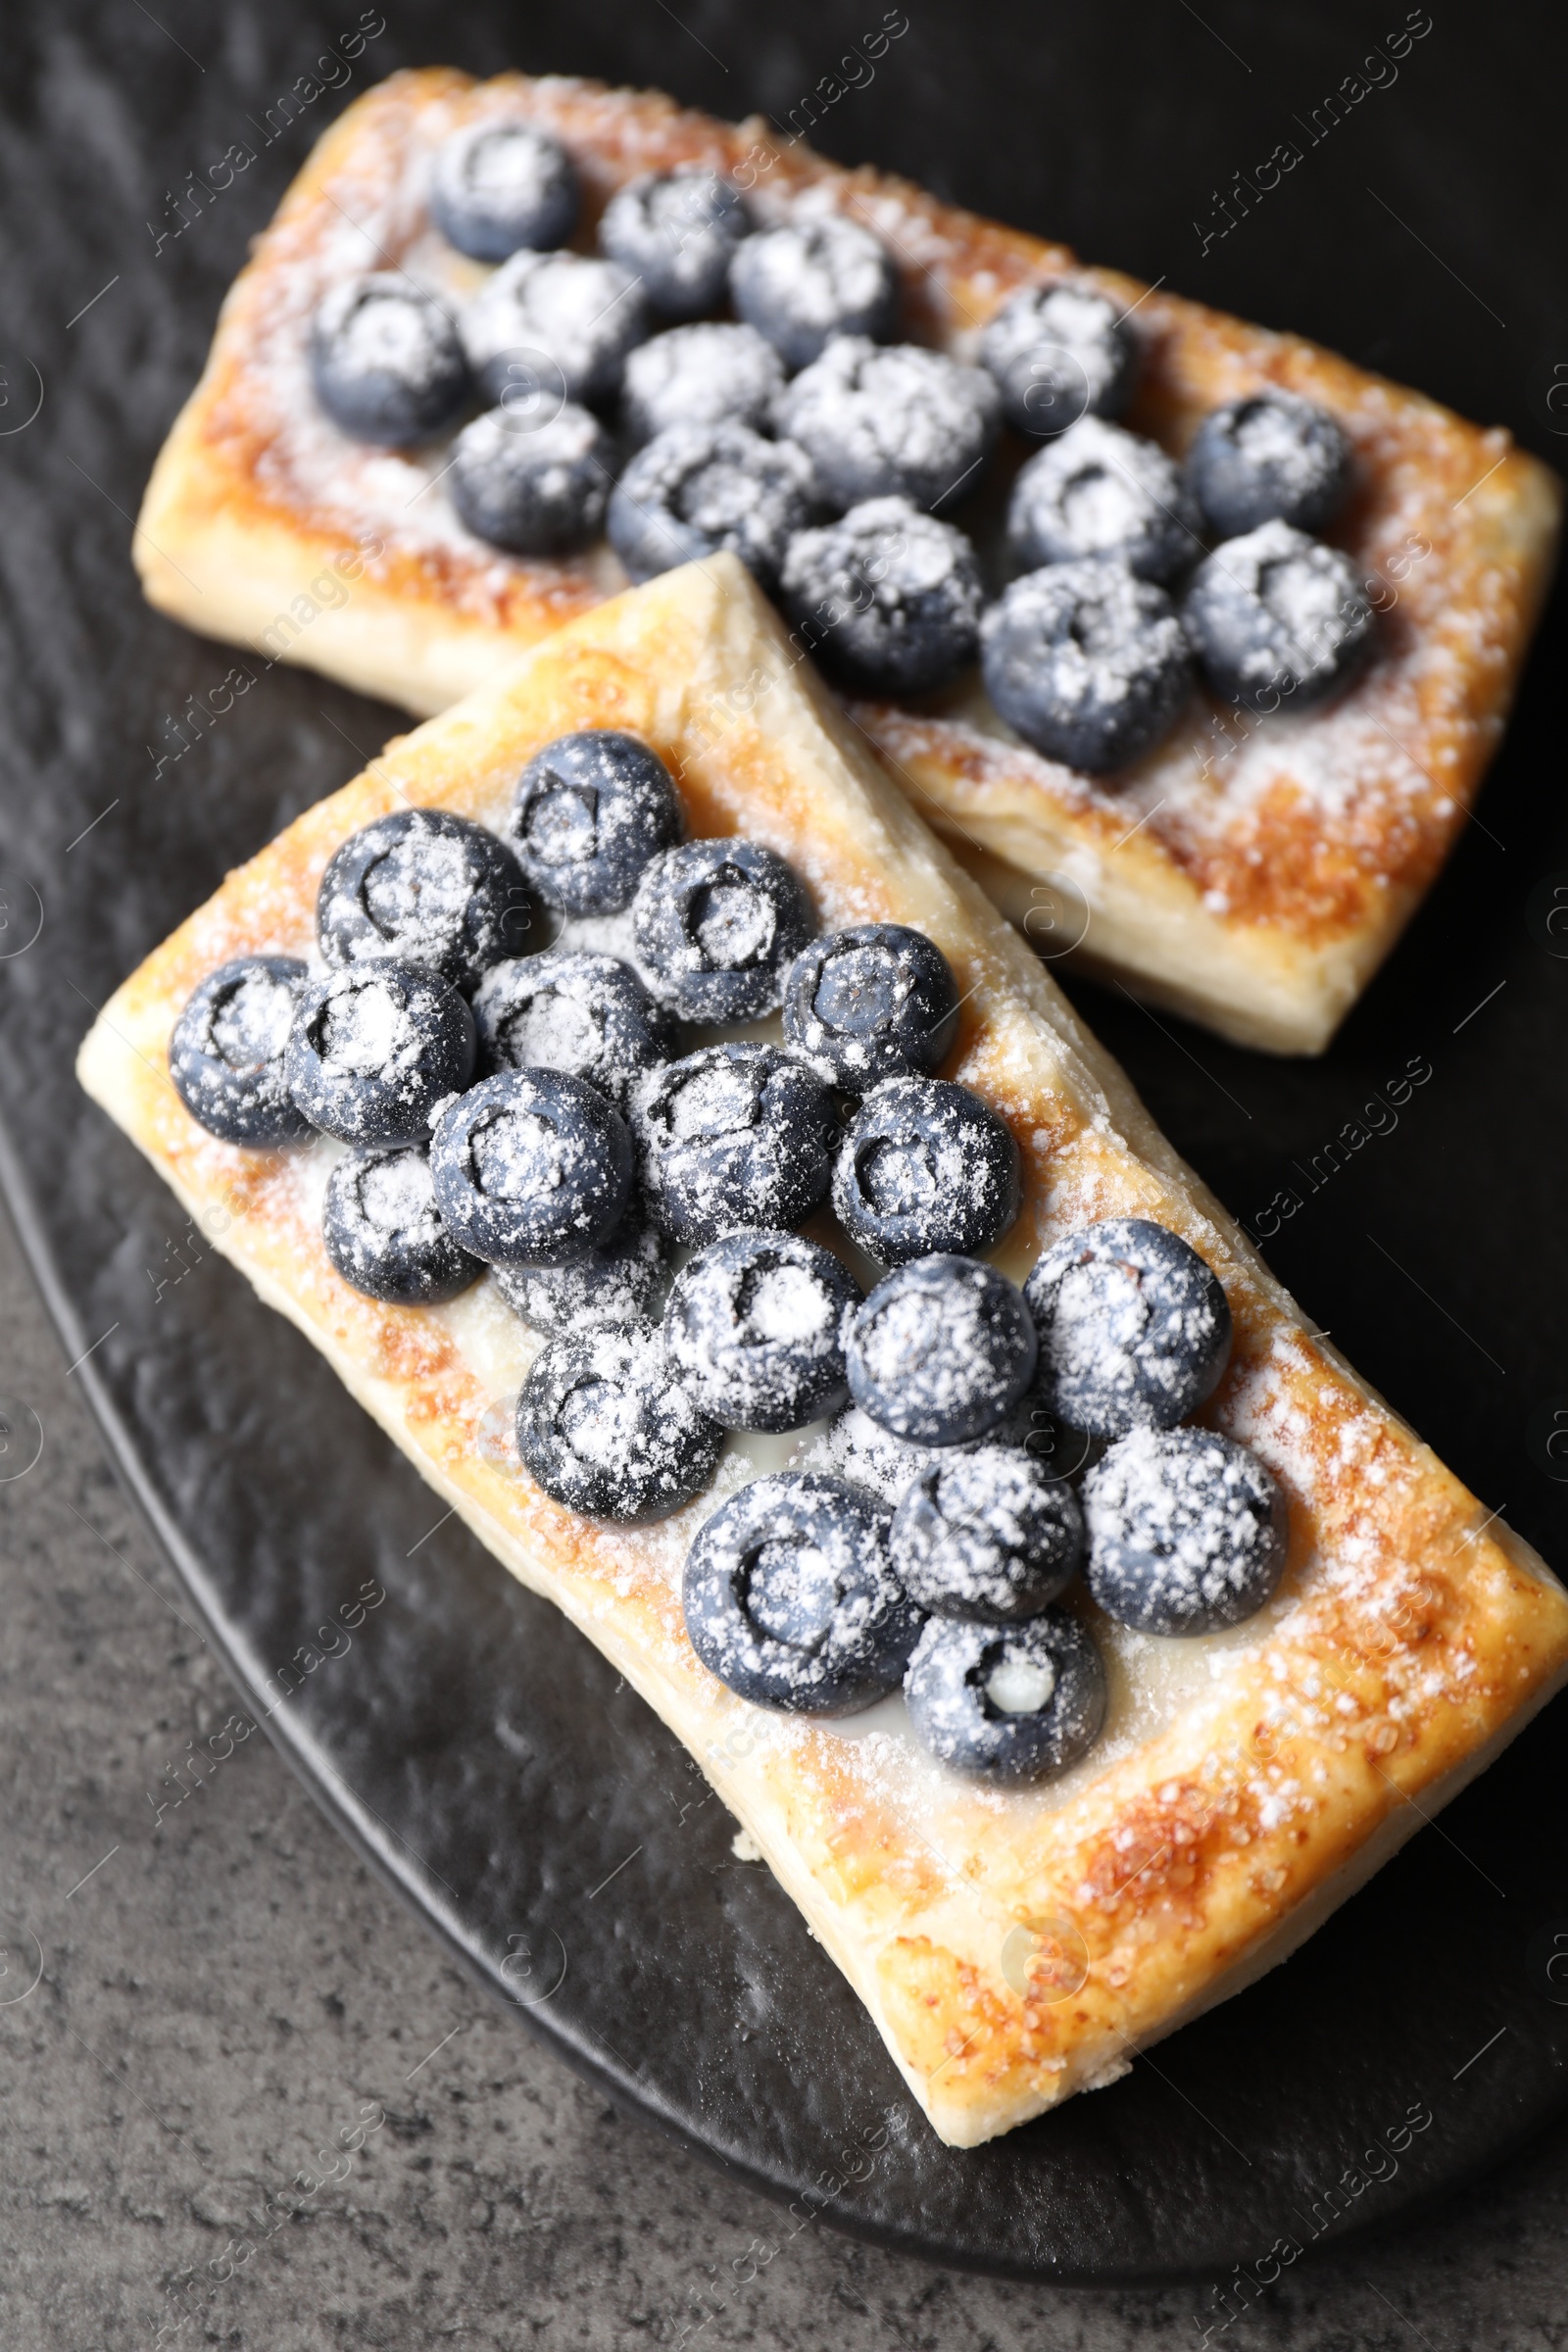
(226, 1986)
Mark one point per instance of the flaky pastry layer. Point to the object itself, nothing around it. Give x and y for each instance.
(1245, 1782)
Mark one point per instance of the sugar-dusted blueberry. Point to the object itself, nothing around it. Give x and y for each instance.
(607, 1425)
(552, 326)
(791, 1601)
(1278, 619)
(619, 1282)
(385, 1233)
(755, 1322)
(375, 1048)
(1271, 457)
(536, 487)
(1058, 353)
(876, 1001)
(987, 1534)
(735, 1135)
(426, 887)
(498, 186)
(1100, 491)
(531, 1167)
(1011, 1704)
(1133, 1328)
(809, 280)
(718, 371)
(228, 1057)
(925, 1165)
(892, 421)
(718, 923)
(591, 811)
(386, 359)
(1088, 663)
(940, 1350)
(677, 231)
(1186, 1532)
(695, 489)
(887, 598)
(571, 1010)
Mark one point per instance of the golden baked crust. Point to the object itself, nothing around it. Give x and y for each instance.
(1245, 1782)
(1250, 876)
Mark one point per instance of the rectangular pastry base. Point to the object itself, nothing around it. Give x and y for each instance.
(1246, 1782)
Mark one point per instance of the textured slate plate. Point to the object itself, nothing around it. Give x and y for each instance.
(464, 1738)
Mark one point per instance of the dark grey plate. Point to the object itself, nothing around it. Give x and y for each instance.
(466, 1739)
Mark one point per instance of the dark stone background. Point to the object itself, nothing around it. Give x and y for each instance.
(219, 1997)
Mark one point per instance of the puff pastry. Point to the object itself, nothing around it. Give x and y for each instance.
(1245, 1782)
(1250, 875)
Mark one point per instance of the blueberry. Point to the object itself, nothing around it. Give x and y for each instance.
(375, 1048)
(531, 1167)
(1059, 352)
(698, 489)
(427, 886)
(1277, 618)
(790, 1599)
(1087, 663)
(591, 811)
(887, 598)
(498, 186)
(718, 923)
(677, 231)
(1133, 1329)
(804, 283)
(386, 360)
(227, 1055)
(890, 422)
(537, 488)
(1011, 1704)
(940, 1350)
(925, 1165)
(988, 1535)
(569, 1009)
(1186, 1532)
(1271, 458)
(736, 1135)
(608, 1427)
(617, 1283)
(873, 1002)
(385, 1233)
(552, 326)
(699, 376)
(1099, 491)
(755, 1322)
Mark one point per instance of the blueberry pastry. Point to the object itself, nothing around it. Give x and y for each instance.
(436, 577)
(899, 1832)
